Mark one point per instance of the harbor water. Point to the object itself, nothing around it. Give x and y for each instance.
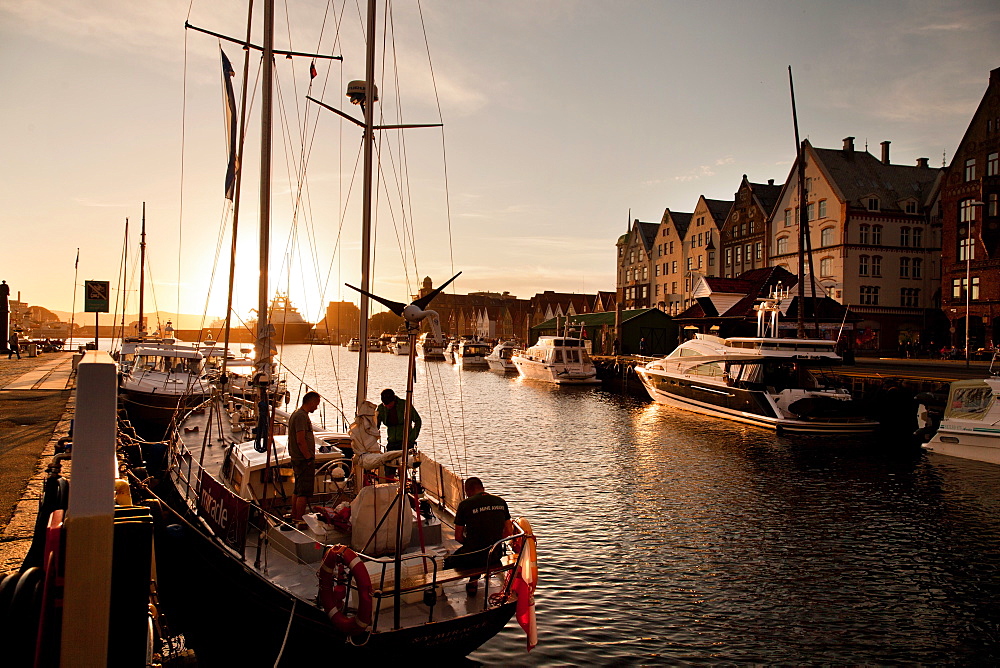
(665, 537)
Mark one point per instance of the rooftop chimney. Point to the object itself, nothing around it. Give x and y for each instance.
(922, 163)
(885, 152)
(770, 182)
(849, 144)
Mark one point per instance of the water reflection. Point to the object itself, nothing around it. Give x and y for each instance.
(668, 537)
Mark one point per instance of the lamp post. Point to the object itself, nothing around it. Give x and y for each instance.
(968, 272)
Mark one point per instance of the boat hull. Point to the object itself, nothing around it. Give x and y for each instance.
(552, 373)
(151, 413)
(980, 443)
(739, 405)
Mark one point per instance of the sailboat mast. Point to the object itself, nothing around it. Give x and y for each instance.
(366, 216)
(803, 214)
(263, 360)
(236, 197)
(142, 271)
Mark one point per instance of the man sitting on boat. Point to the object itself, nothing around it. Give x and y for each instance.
(302, 450)
(392, 414)
(481, 520)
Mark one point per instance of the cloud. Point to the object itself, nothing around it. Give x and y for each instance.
(704, 171)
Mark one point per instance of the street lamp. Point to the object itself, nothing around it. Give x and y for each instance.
(968, 272)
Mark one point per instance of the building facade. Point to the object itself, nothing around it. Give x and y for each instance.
(743, 240)
(873, 239)
(668, 261)
(970, 253)
(635, 266)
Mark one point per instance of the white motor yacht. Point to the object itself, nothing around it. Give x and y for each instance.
(769, 382)
(430, 347)
(970, 427)
(471, 354)
(499, 357)
(557, 359)
(162, 379)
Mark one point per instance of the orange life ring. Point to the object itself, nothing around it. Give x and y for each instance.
(333, 589)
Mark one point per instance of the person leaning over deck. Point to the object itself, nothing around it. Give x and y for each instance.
(481, 520)
(302, 450)
(392, 414)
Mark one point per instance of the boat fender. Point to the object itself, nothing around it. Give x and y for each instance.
(333, 582)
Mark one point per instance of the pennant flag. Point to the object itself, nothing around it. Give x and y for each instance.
(76, 265)
(230, 113)
(312, 70)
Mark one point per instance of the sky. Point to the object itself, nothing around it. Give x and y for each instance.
(562, 119)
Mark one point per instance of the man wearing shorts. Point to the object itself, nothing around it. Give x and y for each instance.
(302, 449)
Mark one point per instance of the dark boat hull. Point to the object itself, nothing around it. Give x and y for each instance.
(151, 414)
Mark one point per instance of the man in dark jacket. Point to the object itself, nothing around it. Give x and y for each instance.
(392, 414)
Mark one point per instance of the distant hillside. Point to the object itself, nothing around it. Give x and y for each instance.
(185, 321)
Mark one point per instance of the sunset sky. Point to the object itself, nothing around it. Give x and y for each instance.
(560, 118)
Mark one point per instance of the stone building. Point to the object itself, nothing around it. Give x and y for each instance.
(970, 253)
(743, 240)
(874, 240)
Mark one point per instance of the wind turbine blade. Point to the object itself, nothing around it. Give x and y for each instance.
(395, 307)
(426, 299)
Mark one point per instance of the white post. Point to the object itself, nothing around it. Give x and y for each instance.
(90, 515)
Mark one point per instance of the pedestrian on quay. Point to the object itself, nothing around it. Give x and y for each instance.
(12, 345)
(392, 413)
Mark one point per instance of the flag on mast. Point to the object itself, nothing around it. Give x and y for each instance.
(76, 265)
(230, 113)
(312, 70)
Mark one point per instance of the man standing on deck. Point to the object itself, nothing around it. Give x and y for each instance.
(392, 414)
(481, 520)
(302, 450)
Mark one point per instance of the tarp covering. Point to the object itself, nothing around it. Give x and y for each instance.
(367, 511)
(969, 400)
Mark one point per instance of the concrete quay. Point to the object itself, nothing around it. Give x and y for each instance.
(36, 408)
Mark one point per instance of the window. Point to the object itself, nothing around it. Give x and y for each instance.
(671, 247)
(673, 287)
(657, 289)
(747, 250)
(918, 237)
(873, 204)
(750, 228)
(970, 169)
(863, 265)
(909, 297)
(826, 237)
(708, 238)
(694, 239)
(656, 270)
(739, 255)
(869, 295)
(876, 265)
(700, 244)
(666, 268)
(992, 205)
(993, 164)
(822, 208)
(759, 251)
(863, 231)
(673, 267)
(811, 211)
(910, 207)
(916, 267)
(782, 245)
(645, 273)
(826, 266)
(659, 249)
(876, 235)
(958, 286)
(729, 257)
(631, 257)
(645, 292)
(687, 285)
(904, 267)
(701, 260)
(788, 217)
(711, 258)
(904, 236)
(966, 249)
(690, 263)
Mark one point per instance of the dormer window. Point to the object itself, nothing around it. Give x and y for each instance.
(873, 204)
(910, 207)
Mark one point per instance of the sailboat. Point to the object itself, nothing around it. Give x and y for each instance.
(366, 579)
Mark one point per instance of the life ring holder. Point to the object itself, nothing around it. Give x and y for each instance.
(333, 589)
